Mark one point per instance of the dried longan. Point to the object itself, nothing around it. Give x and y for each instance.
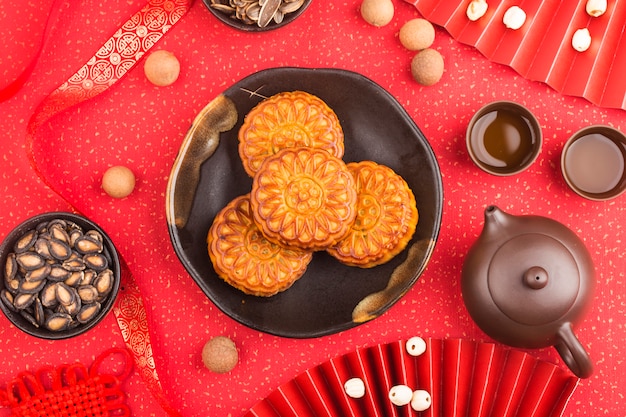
(118, 181)
(220, 355)
(427, 67)
(162, 68)
(377, 12)
(417, 34)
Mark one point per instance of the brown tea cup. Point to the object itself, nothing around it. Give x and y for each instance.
(593, 162)
(503, 138)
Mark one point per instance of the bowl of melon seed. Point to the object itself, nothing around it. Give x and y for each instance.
(60, 275)
(257, 15)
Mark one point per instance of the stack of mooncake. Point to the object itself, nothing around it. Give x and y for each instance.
(305, 198)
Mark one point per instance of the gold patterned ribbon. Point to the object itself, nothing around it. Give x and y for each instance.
(110, 63)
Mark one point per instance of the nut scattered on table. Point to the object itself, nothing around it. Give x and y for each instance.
(257, 12)
(514, 17)
(476, 9)
(58, 276)
(220, 355)
(421, 400)
(400, 395)
(162, 68)
(377, 12)
(581, 40)
(595, 8)
(354, 388)
(417, 34)
(427, 67)
(118, 181)
(415, 346)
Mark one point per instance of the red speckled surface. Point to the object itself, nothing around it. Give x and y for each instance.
(141, 126)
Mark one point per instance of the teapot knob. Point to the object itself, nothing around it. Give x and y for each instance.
(536, 277)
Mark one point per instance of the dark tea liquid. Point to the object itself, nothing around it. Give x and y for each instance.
(594, 163)
(503, 140)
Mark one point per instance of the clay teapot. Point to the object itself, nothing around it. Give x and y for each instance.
(527, 281)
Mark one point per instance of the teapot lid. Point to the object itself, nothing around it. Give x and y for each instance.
(549, 279)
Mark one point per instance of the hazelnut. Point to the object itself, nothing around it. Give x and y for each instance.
(220, 355)
(514, 17)
(118, 181)
(581, 40)
(162, 68)
(417, 34)
(427, 67)
(476, 9)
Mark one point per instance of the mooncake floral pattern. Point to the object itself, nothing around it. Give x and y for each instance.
(245, 259)
(386, 217)
(304, 197)
(287, 120)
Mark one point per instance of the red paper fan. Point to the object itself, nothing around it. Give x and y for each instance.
(541, 49)
(463, 378)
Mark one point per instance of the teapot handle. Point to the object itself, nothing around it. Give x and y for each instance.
(572, 352)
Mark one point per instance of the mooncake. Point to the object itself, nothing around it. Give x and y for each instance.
(386, 217)
(289, 119)
(245, 259)
(304, 197)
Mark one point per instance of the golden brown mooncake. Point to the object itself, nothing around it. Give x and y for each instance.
(245, 259)
(289, 119)
(304, 197)
(386, 217)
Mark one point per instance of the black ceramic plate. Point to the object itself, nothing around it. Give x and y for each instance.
(330, 297)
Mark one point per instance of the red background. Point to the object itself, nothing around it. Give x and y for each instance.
(142, 126)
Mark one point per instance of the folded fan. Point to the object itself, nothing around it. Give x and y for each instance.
(464, 378)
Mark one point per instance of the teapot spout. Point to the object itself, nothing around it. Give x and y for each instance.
(496, 221)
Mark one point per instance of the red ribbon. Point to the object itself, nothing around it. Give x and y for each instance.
(110, 63)
(11, 89)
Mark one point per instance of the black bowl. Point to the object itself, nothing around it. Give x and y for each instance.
(24, 319)
(236, 23)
